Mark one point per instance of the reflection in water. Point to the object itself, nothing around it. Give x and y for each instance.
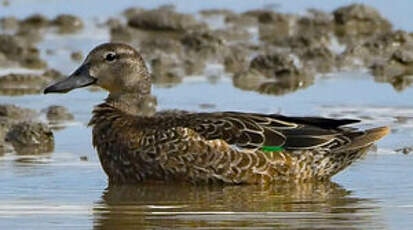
(254, 82)
(305, 206)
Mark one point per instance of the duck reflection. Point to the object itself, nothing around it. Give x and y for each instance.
(304, 206)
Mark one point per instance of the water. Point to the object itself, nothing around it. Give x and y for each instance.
(59, 190)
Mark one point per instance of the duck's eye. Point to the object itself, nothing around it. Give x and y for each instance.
(110, 57)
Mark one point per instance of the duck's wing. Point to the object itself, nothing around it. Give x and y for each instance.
(266, 132)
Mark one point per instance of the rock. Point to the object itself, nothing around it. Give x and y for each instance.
(77, 56)
(241, 21)
(378, 49)
(163, 20)
(9, 23)
(16, 113)
(279, 29)
(237, 60)
(166, 70)
(56, 113)
(36, 21)
(22, 53)
(216, 12)
(5, 125)
(204, 45)
(19, 84)
(275, 65)
(397, 70)
(120, 33)
(358, 20)
(68, 23)
(132, 12)
(318, 59)
(405, 150)
(153, 46)
(253, 80)
(31, 138)
(83, 158)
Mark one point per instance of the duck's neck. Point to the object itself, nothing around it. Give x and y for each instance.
(133, 103)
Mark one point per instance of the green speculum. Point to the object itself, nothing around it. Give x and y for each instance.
(272, 148)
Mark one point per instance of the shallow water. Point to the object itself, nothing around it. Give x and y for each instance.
(59, 190)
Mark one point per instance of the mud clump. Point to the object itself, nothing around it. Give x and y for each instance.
(57, 113)
(20, 133)
(275, 73)
(163, 19)
(66, 23)
(30, 138)
(16, 113)
(20, 84)
(397, 70)
(9, 23)
(205, 45)
(76, 56)
(19, 52)
(377, 49)
(275, 65)
(357, 21)
(35, 21)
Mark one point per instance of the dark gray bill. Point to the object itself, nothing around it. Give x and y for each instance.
(78, 79)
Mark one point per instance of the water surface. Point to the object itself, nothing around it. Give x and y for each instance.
(59, 190)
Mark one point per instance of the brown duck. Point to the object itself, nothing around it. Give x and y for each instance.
(220, 147)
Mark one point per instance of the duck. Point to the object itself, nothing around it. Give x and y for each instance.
(204, 147)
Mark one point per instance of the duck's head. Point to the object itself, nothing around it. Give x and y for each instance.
(115, 67)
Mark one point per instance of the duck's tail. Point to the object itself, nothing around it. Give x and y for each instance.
(361, 141)
(366, 138)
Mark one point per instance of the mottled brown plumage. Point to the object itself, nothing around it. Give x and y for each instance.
(222, 147)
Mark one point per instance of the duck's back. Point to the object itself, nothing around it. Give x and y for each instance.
(226, 147)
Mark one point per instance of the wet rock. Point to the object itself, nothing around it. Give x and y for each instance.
(153, 46)
(19, 84)
(275, 65)
(237, 59)
(57, 113)
(68, 23)
(318, 59)
(397, 70)
(359, 20)
(263, 16)
(253, 80)
(31, 138)
(205, 45)
(5, 125)
(113, 22)
(16, 113)
(166, 70)
(241, 20)
(36, 21)
(249, 80)
(121, 33)
(163, 20)
(83, 158)
(216, 12)
(9, 23)
(279, 29)
(22, 53)
(405, 150)
(316, 24)
(377, 49)
(132, 11)
(76, 56)
(233, 34)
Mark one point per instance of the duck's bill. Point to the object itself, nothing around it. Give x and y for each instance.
(80, 78)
